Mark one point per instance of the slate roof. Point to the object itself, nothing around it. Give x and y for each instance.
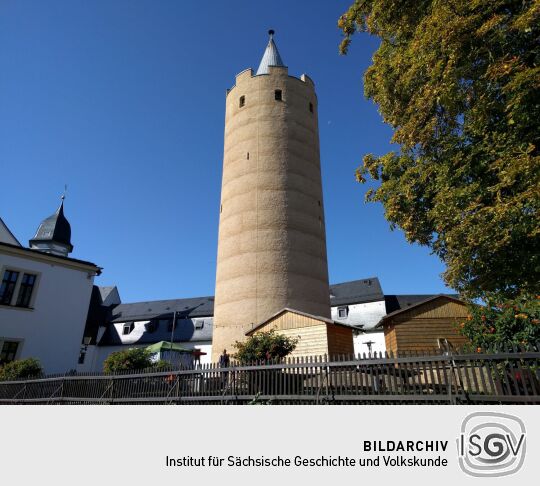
(270, 57)
(356, 291)
(139, 311)
(14, 241)
(55, 228)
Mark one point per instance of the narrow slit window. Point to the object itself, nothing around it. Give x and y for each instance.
(311, 107)
(278, 95)
(242, 101)
(248, 155)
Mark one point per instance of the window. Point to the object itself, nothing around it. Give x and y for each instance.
(343, 312)
(25, 290)
(311, 107)
(278, 95)
(248, 155)
(128, 327)
(199, 325)
(82, 355)
(8, 286)
(242, 101)
(8, 351)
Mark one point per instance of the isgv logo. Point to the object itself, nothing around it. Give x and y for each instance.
(491, 444)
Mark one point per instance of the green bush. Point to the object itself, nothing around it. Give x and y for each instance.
(264, 346)
(21, 369)
(499, 324)
(128, 360)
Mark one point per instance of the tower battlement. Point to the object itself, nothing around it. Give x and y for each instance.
(279, 71)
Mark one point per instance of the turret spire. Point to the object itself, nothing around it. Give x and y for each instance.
(271, 56)
(54, 233)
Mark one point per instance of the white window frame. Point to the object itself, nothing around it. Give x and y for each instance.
(343, 308)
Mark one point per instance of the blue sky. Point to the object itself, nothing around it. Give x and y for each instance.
(124, 100)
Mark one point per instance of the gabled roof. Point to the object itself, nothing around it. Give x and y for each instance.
(416, 305)
(305, 314)
(109, 295)
(6, 236)
(356, 291)
(270, 57)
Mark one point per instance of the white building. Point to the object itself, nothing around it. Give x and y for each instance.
(44, 296)
(118, 327)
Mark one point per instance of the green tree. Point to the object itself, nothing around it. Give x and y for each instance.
(21, 369)
(459, 82)
(264, 346)
(131, 360)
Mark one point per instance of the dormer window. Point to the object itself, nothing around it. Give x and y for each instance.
(343, 312)
(242, 101)
(278, 95)
(128, 327)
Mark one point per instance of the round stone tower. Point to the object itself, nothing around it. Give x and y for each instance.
(272, 242)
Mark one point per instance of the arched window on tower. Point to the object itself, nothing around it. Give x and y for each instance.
(242, 101)
(278, 95)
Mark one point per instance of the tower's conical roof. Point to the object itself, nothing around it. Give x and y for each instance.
(270, 57)
(55, 228)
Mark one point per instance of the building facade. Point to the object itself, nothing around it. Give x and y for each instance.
(272, 242)
(44, 299)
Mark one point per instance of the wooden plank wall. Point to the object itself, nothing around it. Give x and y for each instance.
(340, 340)
(419, 334)
(312, 340)
(420, 328)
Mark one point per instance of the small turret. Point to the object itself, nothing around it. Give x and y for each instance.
(54, 234)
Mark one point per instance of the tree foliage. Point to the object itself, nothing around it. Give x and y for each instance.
(21, 369)
(459, 82)
(264, 346)
(500, 324)
(131, 360)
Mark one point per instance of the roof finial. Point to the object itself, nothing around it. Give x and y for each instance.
(64, 194)
(271, 33)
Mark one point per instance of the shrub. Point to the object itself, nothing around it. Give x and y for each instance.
(128, 360)
(21, 369)
(501, 324)
(264, 346)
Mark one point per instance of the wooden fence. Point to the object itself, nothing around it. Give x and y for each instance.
(507, 377)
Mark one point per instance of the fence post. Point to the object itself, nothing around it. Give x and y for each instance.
(111, 390)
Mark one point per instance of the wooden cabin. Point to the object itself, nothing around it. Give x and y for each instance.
(316, 335)
(423, 325)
